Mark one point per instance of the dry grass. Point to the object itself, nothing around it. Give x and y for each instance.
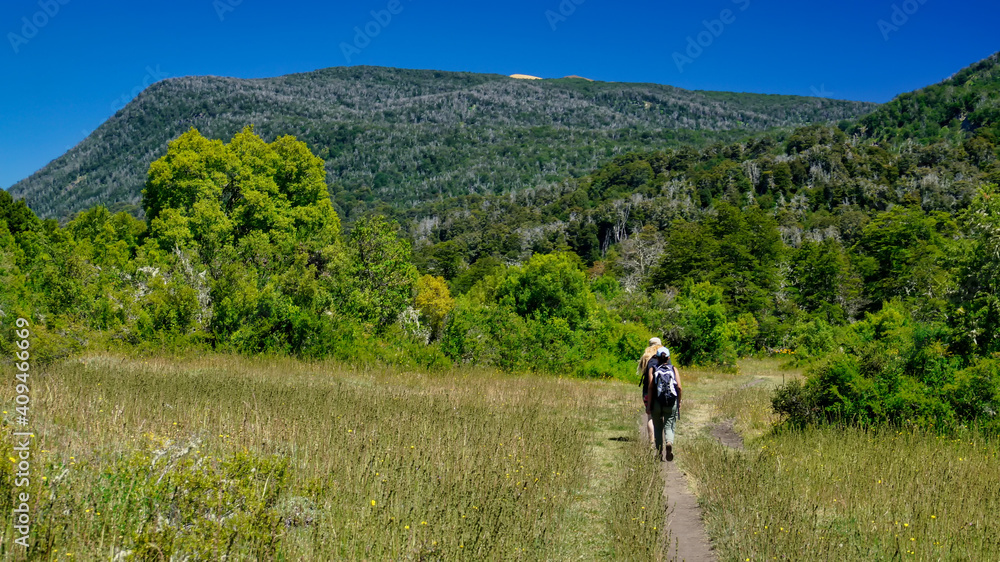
(843, 494)
(273, 458)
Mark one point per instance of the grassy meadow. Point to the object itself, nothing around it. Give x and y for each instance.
(841, 493)
(221, 457)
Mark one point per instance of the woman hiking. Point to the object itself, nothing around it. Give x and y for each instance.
(654, 344)
(663, 405)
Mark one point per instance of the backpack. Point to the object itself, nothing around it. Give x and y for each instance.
(666, 384)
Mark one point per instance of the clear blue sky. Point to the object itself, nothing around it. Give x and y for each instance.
(64, 74)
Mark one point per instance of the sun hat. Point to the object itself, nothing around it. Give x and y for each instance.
(663, 351)
(655, 341)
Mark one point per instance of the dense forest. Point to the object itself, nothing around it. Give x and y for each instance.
(868, 250)
(398, 137)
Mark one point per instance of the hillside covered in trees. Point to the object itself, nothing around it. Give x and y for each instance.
(968, 102)
(870, 255)
(400, 137)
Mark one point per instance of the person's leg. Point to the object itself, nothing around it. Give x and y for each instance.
(669, 423)
(658, 421)
(649, 420)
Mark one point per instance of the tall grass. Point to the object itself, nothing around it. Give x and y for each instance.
(638, 506)
(838, 493)
(155, 458)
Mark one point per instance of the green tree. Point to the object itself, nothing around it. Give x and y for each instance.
(16, 214)
(908, 255)
(704, 334)
(977, 319)
(207, 196)
(433, 300)
(824, 282)
(734, 249)
(382, 277)
(548, 286)
(258, 216)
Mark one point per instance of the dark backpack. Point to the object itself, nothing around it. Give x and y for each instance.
(666, 384)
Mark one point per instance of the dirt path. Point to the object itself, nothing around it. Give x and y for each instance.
(724, 432)
(684, 519)
(690, 541)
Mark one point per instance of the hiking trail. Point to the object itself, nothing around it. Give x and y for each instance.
(689, 540)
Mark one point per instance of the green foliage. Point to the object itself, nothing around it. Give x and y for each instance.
(547, 287)
(201, 507)
(907, 252)
(813, 339)
(16, 214)
(704, 334)
(738, 250)
(825, 281)
(542, 317)
(977, 320)
(434, 301)
(382, 277)
(893, 369)
(211, 196)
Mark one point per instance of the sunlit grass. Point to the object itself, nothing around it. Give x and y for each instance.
(844, 493)
(273, 458)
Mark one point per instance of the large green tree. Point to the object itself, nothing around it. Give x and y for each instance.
(978, 317)
(548, 286)
(209, 196)
(257, 218)
(909, 253)
(735, 249)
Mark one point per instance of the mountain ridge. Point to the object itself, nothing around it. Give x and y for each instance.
(399, 136)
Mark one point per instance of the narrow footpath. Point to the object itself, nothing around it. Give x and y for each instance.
(684, 517)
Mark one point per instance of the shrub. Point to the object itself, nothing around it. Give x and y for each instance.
(706, 337)
(813, 339)
(892, 370)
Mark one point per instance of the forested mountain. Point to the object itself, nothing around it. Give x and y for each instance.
(966, 104)
(817, 181)
(405, 136)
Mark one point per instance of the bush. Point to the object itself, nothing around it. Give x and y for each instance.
(813, 339)
(797, 404)
(199, 507)
(892, 370)
(706, 337)
(975, 394)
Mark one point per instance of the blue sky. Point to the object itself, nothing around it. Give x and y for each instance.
(68, 65)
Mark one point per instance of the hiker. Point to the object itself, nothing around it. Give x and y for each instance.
(663, 405)
(654, 344)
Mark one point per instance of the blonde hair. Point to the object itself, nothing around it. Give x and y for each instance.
(646, 356)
